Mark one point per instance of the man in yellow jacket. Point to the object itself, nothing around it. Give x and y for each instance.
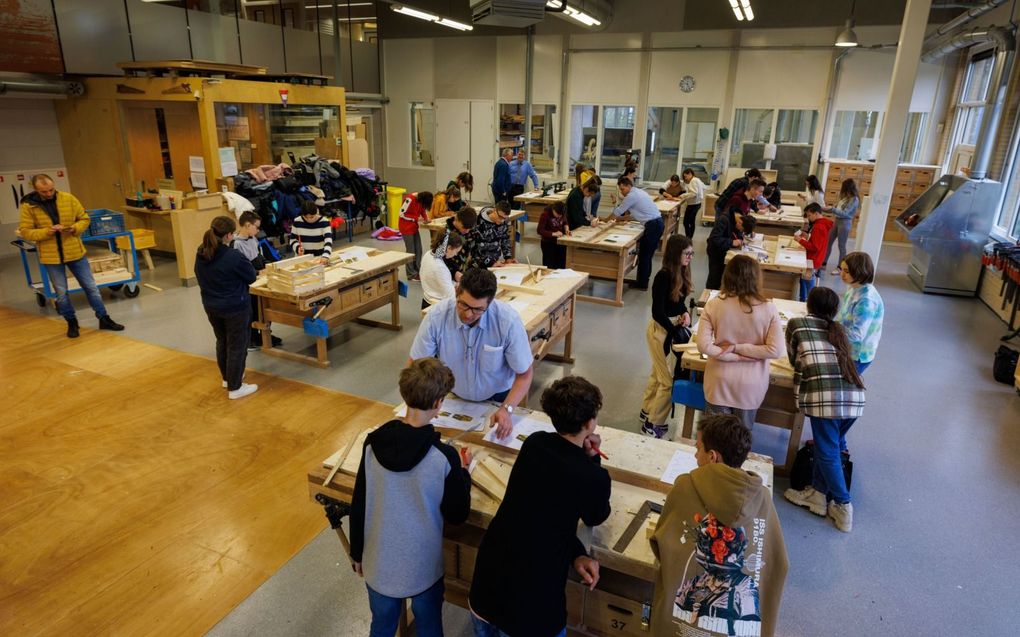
(55, 221)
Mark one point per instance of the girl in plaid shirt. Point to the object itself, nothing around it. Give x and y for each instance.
(831, 394)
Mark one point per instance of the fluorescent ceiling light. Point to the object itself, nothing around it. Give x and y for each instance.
(574, 14)
(414, 13)
(746, 6)
(453, 24)
(736, 10)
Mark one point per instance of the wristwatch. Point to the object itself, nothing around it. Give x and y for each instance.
(509, 408)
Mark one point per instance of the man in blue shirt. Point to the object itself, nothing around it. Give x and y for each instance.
(501, 177)
(485, 344)
(520, 171)
(642, 209)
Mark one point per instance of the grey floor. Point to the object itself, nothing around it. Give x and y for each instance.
(936, 480)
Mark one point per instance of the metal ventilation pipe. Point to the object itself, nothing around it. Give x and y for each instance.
(1005, 47)
(53, 88)
(967, 16)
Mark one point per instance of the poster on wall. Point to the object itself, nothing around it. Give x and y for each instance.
(228, 162)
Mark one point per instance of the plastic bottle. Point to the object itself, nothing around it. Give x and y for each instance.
(173, 203)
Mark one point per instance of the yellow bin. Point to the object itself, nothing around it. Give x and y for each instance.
(394, 199)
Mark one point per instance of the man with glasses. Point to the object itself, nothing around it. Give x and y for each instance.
(491, 246)
(484, 342)
(55, 221)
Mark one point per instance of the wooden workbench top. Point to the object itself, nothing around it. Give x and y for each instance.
(439, 224)
(607, 236)
(536, 196)
(780, 254)
(347, 266)
(533, 301)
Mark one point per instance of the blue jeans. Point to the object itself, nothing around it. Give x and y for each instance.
(427, 607)
(485, 629)
(806, 285)
(862, 366)
(83, 272)
(827, 474)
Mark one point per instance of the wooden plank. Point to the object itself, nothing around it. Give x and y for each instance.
(197, 66)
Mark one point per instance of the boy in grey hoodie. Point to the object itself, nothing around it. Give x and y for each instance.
(722, 559)
(408, 484)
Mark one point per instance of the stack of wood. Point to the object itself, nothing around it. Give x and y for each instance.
(298, 275)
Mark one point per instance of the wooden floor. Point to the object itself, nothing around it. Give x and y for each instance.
(136, 499)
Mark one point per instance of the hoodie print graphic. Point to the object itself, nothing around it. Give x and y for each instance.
(723, 597)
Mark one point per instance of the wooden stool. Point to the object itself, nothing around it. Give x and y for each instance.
(144, 239)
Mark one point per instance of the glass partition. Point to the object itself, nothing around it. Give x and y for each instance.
(699, 141)
(913, 138)
(584, 134)
(662, 143)
(854, 134)
(617, 139)
(423, 134)
(271, 133)
(544, 127)
(752, 129)
(795, 146)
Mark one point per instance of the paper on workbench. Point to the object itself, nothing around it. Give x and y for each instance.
(565, 273)
(455, 413)
(510, 276)
(615, 238)
(681, 462)
(519, 304)
(355, 253)
(523, 426)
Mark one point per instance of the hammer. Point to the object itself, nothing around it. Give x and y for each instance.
(335, 513)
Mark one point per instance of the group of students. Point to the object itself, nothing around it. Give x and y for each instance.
(410, 483)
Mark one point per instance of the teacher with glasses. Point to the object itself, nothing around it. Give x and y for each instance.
(484, 343)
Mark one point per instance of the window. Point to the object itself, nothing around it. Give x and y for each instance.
(617, 139)
(423, 134)
(970, 108)
(853, 135)
(913, 138)
(752, 129)
(662, 143)
(699, 141)
(791, 130)
(584, 127)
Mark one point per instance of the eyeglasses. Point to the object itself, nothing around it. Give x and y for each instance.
(687, 253)
(464, 307)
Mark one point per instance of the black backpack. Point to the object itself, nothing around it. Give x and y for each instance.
(1004, 366)
(803, 466)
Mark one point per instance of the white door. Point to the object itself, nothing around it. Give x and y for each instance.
(483, 147)
(453, 140)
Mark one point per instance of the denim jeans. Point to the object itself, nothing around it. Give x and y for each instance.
(862, 366)
(840, 231)
(83, 272)
(485, 629)
(827, 473)
(233, 333)
(691, 218)
(806, 285)
(746, 415)
(426, 605)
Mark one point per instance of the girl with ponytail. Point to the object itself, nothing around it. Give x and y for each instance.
(224, 276)
(831, 394)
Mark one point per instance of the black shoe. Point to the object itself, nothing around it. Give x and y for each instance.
(72, 328)
(107, 323)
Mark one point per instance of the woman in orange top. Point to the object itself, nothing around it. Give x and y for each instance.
(444, 204)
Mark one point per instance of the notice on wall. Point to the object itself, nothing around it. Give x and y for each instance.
(196, 164)
(198, 180)
(238, 129)
(228, 161)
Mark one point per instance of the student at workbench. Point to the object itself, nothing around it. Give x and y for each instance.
(552, 225)
(443, 203)
(437, 282)
(670, 288)
(463, 222)
(577, 216)
(224, 276)
(519, 585)
(466, 184)
(247, 243)
(582, 175)
(740, 332)
(642, 209)
(722, 557)
(844, 211)
(485, 344)
(311, 233)
(738, 186)
(408, 485)
(413, 211)
(814, 242)
(726, 233)
(491, 246)
(671, 188)
(694, 197)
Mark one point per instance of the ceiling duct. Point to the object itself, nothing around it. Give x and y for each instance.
(508, 13)
(42, 87)
(966, 17)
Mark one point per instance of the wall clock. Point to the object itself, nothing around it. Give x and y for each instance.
(687, 84)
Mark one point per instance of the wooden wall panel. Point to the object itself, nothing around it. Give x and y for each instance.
(93, 151)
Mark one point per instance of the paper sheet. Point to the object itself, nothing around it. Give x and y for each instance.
(510, 276)
(565, 273)
(519, 304)
(455, 414)
(615, 238)
(681, 462)
(524, 426)
(196, 164)
(198, 180)
(353, 253)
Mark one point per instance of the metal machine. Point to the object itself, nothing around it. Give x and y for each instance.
(949, 226)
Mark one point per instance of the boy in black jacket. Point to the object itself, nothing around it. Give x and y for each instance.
(408, 484)
(519, 583)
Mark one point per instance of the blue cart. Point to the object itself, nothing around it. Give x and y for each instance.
(44, 289)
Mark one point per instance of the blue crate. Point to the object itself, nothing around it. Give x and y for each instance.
(104, 221)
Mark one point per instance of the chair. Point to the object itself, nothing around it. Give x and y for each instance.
(690, 394)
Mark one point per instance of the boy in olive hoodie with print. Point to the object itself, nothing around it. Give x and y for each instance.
(720, 547)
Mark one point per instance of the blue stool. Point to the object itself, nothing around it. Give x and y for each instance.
(690, 394)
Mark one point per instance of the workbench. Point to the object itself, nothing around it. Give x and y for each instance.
(627, 566)
(356, 281)
(782, 262)
(780, 408)
(546, 305)
(515, 221)
(671, 210)
(607, 251)
(535, 202)
(789, 211)
(784, 221)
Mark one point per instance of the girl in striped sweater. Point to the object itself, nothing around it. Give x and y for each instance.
(311, 233)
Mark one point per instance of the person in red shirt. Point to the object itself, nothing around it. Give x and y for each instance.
(815, 241)
(414, 209)
(552, 225)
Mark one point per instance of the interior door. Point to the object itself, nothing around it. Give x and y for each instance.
(161, 137)
(453, 141)
(483, 144)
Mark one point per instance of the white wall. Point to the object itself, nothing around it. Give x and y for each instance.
(30, 142)
(408, 76)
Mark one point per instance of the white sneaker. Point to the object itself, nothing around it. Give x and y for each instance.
(842, 515)
(244, 390)
(807, 497)
(225, 383)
